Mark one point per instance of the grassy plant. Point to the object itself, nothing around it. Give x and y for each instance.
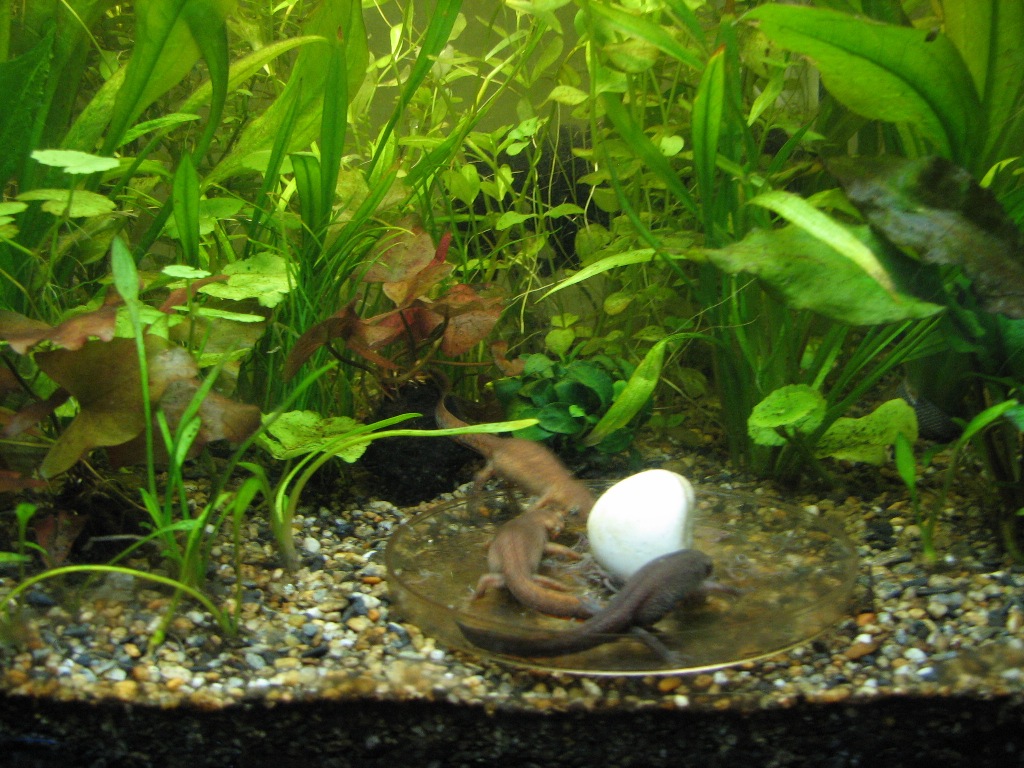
(307, 442)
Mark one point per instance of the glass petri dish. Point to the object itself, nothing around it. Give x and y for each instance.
(793, 573)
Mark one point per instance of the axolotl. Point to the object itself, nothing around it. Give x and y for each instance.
(514, 556)
(524, 463)
(643, 600)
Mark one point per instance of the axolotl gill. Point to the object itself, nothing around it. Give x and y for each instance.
(644, 599)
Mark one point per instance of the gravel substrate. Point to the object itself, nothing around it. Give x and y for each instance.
(927, 665)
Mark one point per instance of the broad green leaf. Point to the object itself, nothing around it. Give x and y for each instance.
(616, 303)
(557, 418)
(793, 409)
(868, 438)
(560, 340)
(184, 272)
(567, 94)
(512, 218)
(211, 210)
(297, 433)
(798, 211)
(885, 72)
(809, 274)
(593, 377)
(76, 204)
(263, 277)
(74, 162)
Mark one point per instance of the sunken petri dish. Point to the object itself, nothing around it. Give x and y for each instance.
(793, 571)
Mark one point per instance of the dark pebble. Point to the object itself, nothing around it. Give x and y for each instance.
(77, 630)
(39, 599)
(316, 652)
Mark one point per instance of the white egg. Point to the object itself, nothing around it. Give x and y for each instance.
(642, 517)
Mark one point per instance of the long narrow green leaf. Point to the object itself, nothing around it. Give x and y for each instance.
(165, 51)
(639, 256)
(655, 34)
(708, 106)
(23, 85)
(334, 121)
(207, 25)
(305, 85)
(988, 34)
(185, 196)
(886, 72)
(637, 392)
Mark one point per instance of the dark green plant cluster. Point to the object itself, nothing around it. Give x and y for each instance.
(569, 400)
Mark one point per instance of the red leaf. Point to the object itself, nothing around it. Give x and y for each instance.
(11, 481)
(22, 333)
(399, 255)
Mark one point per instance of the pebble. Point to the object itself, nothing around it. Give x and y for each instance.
(332, 631)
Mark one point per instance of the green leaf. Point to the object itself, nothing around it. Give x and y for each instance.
(23, 85)
(76, 204)
(634, 396)
(567, 94)
(164, 122)
(656, 35)
(706, 125)
(640, 256)
(868, 438)
(798, 211)
(905, 464)
(809, 274)
(885, 72)
(988, 34)
(594, 377)
(985, 418)
(796, 408)
(297, 433)
(263, 277)
(185, 195)
(558, 418)
(302, 97)
(511, 218)
(559, 340)
(74, 162)
(184, 272)
(126, 276)
(166, 49)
